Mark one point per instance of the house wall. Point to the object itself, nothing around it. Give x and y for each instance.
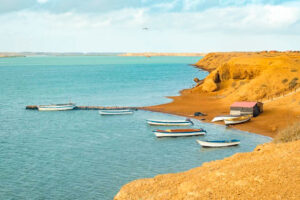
(240, 112)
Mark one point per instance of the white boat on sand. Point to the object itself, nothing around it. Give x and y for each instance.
(56, 107)
(237, 120)
(115, 112)
(223, 117)
(186, 122)
(218, 143)
(179, 132)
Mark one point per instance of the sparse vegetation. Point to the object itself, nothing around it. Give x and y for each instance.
(293, 83)
(233, 84)
(284, 81)
(289, 134)
(294, 70)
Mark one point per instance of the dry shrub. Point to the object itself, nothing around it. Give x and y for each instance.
(284, 81)
(293, 83)
(289, 134)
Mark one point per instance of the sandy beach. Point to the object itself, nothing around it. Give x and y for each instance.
(251, 76)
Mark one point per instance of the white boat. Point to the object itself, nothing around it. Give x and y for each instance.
(179, 132)
(237, 120)
(186, 122)
(223, 117)
(115, 112)
(218, 143)
(56, 107)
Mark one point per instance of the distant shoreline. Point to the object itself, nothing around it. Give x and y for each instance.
(146, 54)
(151, 54)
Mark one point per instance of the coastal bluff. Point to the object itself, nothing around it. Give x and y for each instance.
(271, 171)
(271, 77)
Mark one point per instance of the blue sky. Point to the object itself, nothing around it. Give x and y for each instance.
(174, 25)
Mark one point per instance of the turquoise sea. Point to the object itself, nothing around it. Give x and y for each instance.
(80, 154)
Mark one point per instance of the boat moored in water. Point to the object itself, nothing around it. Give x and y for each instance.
(179, 132)
(115, 112)
(186, 122)
(218, 143)
(237, 120)
(56, 107)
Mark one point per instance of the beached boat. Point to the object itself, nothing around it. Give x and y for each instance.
(56, 107)
(179, 132)
(115, 112)
(186, 122)
(218, 143)
(237, 120)
(223, 117)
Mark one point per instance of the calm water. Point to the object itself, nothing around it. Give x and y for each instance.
(80, 154)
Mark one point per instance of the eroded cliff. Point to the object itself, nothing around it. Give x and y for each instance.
(250, 76)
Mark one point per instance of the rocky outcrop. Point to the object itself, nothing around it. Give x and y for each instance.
(271, 171)
(250, 76)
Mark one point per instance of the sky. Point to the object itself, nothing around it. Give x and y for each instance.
(149, 25)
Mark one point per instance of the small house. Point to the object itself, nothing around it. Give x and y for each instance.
(246, 108)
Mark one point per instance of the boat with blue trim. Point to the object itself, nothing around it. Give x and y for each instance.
(218, 143)
(179, 132)
(156, 122)
(56, 107)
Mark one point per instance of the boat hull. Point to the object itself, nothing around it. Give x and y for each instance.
(217, 144)
(221, 118)
(169, 123)
(229, 122)
(56, 107)
(115, 112)
(182, 134)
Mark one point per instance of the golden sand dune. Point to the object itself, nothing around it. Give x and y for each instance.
(270, 172)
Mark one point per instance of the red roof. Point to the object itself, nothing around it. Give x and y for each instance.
(244, 104)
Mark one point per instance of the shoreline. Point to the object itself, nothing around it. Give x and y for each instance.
(211, 123)
(250, 72)
(270, 167)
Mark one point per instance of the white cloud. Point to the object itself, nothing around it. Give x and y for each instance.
(249, 27)
(42, 1)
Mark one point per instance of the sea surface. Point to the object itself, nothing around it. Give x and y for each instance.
(81, 154)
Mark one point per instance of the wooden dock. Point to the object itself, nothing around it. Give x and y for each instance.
(35, 107)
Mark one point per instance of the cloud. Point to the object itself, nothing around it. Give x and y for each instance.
(96, 6)
(42, 1)
(220, 28)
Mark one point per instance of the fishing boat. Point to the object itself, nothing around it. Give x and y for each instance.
(223, 117)
(179, 132)
(237, 120)
(56, 107)
(218, 143)
(186, 122)
(115, 112)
